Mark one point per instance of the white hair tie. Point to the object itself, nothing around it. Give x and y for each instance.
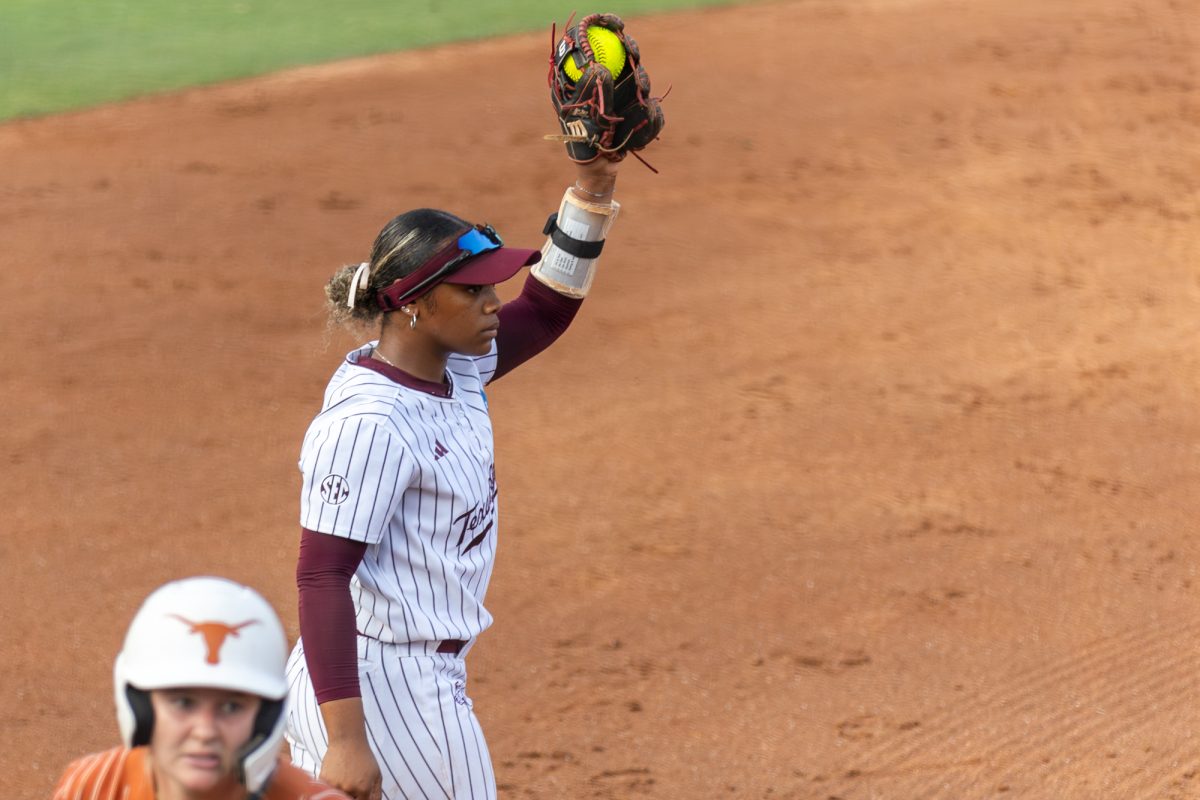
(359, 283)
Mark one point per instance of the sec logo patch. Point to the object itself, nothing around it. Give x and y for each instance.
(334, 490)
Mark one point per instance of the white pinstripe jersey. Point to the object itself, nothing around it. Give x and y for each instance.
(412, 475)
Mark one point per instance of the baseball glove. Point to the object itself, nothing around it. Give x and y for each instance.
(606, 108)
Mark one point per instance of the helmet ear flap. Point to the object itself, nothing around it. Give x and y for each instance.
(143, 715)
(257, 758)
(268, 716)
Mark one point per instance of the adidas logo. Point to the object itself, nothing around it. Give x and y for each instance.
(439, 450)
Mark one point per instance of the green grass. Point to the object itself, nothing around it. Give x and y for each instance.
(63, 54)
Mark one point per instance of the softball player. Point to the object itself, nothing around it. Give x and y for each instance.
(200, 691)
(399, 499)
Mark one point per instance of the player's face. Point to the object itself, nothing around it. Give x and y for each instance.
(197, 733)
(463, 319)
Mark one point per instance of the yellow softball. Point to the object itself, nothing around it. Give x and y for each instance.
(607, 48)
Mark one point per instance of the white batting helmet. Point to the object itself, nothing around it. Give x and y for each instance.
(209, 633)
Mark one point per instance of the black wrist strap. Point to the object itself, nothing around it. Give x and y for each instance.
(576, 247)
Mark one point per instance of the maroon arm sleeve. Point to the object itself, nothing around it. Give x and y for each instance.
(530, 323)
(327, 625)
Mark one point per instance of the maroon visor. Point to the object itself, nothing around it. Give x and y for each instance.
(476, 258)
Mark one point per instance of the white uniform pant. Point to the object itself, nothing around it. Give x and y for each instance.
(419, 722)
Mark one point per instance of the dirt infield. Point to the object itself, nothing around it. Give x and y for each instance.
(884, 479)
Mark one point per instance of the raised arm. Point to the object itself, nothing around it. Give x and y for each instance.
(601, 94)
(557, 285)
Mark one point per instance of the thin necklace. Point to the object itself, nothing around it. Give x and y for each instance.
(376, 354)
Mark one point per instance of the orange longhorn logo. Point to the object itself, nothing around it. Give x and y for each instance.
(214, 634)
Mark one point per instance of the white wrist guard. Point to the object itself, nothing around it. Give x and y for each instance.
(575, 236)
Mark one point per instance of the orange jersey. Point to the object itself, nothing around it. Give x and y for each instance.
(121, 774)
